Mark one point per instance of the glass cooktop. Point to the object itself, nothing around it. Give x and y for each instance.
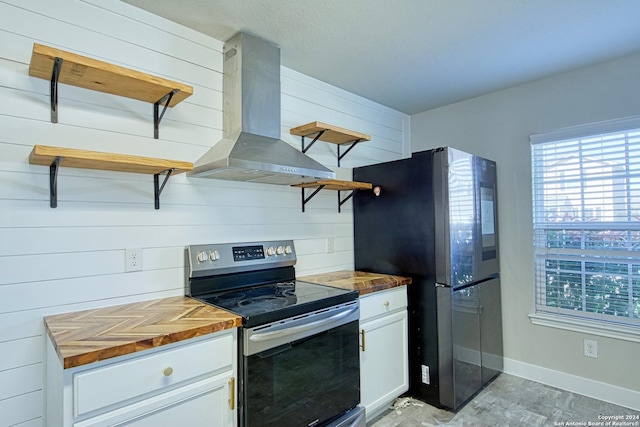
(270, 302)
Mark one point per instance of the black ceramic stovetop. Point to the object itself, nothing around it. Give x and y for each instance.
(268, 303)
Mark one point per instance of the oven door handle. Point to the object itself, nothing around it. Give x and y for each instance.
(318, 324)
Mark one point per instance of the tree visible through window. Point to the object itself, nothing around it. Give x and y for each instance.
(586, 201)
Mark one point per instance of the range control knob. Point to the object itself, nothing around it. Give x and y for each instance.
(214, 255)
(202, 256)
(271, 251)
(279, 250)
(287, 249)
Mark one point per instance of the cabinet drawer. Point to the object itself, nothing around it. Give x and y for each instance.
(383, 302)
(118, 382)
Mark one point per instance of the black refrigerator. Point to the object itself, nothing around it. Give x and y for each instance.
(433, 217)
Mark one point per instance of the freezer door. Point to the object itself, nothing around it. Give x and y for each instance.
(470, 340)
(465, 217)
(459, 355)
(491, 329)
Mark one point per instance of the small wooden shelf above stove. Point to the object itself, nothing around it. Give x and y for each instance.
(329, 133)
(332, 184)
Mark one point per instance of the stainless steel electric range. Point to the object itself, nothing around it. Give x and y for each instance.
(298, 346)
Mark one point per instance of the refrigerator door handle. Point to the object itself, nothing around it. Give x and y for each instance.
(442, 285)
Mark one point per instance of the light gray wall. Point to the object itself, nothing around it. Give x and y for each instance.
(72, 258)
(498, 126)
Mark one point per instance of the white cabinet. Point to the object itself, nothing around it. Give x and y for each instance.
(384, 371)
(189, 383)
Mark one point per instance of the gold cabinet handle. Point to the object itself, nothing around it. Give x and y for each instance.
(232, 393)
(386, 304)
(168, 371)
(362, 333)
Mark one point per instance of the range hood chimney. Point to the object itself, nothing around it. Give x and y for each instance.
(251, 149)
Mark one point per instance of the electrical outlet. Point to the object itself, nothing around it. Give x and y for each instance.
(329, 245)
(425, 374)
(591, 348)
(132, 259)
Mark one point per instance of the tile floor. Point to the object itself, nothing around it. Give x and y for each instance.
(507, 401)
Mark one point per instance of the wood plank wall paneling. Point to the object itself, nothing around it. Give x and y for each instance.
(72, 258)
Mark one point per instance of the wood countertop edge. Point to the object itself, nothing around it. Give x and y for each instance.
(358, 278)
(378, 288)
(79, 357)
(76, 360)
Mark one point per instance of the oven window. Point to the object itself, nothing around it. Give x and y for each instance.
(304, 383)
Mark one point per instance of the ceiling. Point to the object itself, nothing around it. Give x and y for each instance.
(415, 55)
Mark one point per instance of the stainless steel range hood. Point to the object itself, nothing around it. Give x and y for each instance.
(251, 148)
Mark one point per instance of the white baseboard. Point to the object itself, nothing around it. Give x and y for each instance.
(584, 386)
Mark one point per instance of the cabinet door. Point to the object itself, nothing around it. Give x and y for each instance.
(205, 404)
(383, 361)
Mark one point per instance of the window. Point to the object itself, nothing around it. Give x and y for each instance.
(586, 202)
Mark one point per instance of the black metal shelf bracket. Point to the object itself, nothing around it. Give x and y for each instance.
(340, 156)
(319, 134)
(315, 138)
(55, 76)
(306, 200)
(53, 182)
(342, 201)
(157, 188)
(157, 116)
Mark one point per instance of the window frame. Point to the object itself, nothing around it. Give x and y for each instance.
(627, 328)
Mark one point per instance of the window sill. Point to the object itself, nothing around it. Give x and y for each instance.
(621, 332)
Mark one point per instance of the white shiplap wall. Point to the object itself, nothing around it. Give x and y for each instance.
(72, 257)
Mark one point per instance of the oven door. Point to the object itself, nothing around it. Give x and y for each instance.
(303, 371)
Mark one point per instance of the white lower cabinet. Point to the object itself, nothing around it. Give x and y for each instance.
(201, 404)
(384, 349)
(190, 383)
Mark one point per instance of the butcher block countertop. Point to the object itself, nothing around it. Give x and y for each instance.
(89, 336)
(361, 281)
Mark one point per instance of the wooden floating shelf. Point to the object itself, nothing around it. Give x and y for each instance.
(84, 159)
(329, 133)
(54, 157)
(60, 66)
(332, 184)
(101, 76)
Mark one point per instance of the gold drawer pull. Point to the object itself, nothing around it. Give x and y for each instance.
(362, 333)
(168, 371)
(386, 304)
(232, 393)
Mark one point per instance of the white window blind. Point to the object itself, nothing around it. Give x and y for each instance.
(586, 201)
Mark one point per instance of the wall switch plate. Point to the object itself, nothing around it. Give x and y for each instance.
(425, 374)
(591, 348)
(132, 259)
(329, 245)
